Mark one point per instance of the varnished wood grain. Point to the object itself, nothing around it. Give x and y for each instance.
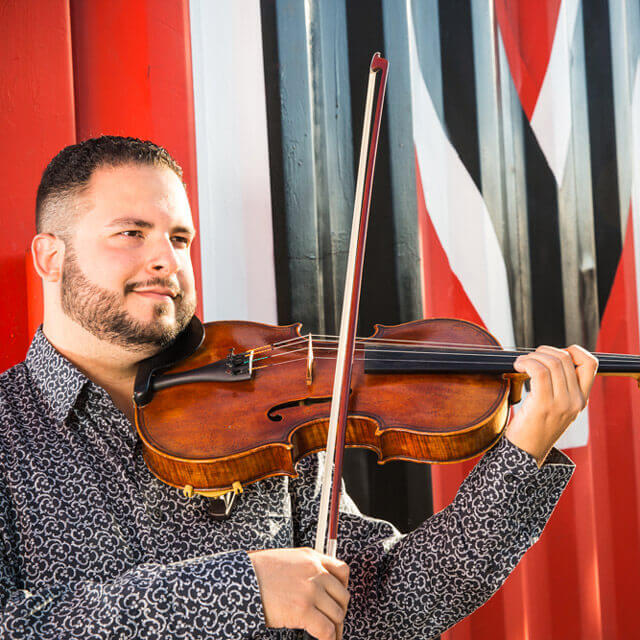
(209, 435)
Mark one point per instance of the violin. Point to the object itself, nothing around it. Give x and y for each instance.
(235, 402)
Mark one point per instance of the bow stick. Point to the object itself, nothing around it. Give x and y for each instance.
(342, 381)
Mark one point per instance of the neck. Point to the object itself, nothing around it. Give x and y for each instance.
(110, 366)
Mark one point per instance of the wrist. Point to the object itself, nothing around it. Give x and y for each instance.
(531, 445)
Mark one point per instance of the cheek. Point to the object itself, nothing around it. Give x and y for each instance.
(107, 266)
(187, 277)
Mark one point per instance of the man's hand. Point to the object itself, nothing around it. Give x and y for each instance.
(302, 589)
(561, 380)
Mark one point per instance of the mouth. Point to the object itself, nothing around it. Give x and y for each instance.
(157, 295)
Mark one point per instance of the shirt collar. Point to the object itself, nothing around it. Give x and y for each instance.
(58, 381)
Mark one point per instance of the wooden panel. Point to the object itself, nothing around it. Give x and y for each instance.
(36, 121)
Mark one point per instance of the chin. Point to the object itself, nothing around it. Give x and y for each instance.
(162, 324)
(163, 314)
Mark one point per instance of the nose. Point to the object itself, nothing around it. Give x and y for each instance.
(163, 260)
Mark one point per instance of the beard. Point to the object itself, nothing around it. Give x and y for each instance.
(102, 313)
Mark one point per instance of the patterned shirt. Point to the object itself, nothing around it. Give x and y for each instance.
(94, 546)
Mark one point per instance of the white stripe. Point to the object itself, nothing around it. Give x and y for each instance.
(236, 235)
(458, 211)
(551, 118)
(635, 179)
(551, 122)
(578, 433)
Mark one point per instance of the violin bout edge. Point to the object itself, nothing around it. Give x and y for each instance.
(274, 459)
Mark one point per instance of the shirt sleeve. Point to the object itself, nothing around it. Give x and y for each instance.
(422, 583)
(202, 598)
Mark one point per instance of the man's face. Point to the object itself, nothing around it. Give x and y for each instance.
(127, 275)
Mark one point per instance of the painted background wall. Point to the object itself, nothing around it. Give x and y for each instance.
(507, 192)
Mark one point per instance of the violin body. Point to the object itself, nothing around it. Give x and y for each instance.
(210, 435)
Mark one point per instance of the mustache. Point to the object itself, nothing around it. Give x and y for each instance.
(176, 291)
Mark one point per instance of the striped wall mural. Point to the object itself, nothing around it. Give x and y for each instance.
(507, 192)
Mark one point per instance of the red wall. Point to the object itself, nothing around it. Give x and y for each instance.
(36, 120)
(71, 70)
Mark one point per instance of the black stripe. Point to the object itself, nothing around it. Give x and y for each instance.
(544, 244)
(379, 302)
(458, 82)
(276, 174)
(602, 136)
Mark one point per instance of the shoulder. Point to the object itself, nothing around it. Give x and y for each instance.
(16, 401)
(14, 383)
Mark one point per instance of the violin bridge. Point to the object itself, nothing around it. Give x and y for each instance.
(251, 353)
(309, 376)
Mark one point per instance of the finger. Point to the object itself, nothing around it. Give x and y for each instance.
(566, 361)
(575, 401)
(541, 383)
(578, 399)
(320, 626)
(335, 589)
(568, 367)
(558, 378)
(586, 367)
(336, 568)
(330, 607)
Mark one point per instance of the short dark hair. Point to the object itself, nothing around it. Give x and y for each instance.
(70, 171)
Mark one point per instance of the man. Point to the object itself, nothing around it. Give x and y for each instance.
(93, 546)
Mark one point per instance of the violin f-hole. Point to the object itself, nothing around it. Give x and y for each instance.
(274, 413)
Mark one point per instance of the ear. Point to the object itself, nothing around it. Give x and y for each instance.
(48, 256)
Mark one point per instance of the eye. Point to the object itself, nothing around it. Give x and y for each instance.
(185, 242)
(131, 233)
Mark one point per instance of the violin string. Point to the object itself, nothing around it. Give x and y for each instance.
(490, 355)
(276, 364)
(276, 344)
(393, 352)
(285, 348)
(362, 359)
(332, 339)
(474, 351)
(479, 347)
(506, 362)
(326, 337)
(432, 345)
(278, 355)
(453, 344)
(386, 352)
(486, 359)
(392, 342)
(429, 357)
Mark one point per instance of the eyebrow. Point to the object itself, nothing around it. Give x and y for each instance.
(145, 224)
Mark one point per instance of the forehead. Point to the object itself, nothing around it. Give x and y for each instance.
(144, 192)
